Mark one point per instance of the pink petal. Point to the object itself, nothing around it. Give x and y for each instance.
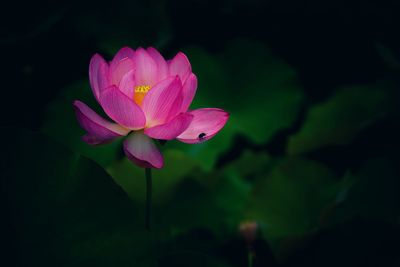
(140, 149)
(189, 90)
(122, 109)
(119, 69)
(163, 101)
(99, 130)
(172, 129)
(127, 84)
(146, 68)
(124, 52)
(98, 75)
(206, 123)
(180, 66)
(161, 63)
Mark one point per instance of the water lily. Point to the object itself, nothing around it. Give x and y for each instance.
(147, 98)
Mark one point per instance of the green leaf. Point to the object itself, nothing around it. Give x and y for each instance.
(212, 77)
(65, 209)
(177, 166)
(338, 120)
(250, 165)
(290, 199)
(264, 95)
(60, 123)
(373, 194)
(214, 201)
(185, 196)
(260, 92)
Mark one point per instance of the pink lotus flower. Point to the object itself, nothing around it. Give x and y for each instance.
(147, 97)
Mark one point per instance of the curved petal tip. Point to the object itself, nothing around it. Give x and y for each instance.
(206, 123)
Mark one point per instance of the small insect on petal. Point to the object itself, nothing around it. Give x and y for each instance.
(202, 136)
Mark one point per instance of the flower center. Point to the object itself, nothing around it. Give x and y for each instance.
(140, 92)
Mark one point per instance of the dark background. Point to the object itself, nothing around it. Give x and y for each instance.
(330, 45)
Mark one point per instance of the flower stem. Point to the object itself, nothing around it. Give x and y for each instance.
(148, 197)
(250, 258)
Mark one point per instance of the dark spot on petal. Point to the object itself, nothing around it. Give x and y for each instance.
(202, 135)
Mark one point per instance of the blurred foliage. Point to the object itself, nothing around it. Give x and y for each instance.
(65, 208)
(81, 217)
(338, 120)
(177, 167)
(60, 123)
(291, 197)
(218, 199)
(254, 86)
(373, 193)
(70, 204)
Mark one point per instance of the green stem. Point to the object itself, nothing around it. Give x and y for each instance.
(148, 197)
(250, 258)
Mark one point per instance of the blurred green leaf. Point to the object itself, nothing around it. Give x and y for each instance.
(264, 95)
(250, 165)
(290, 199)
(177, 166)
(213, 201)
(60, 123)
(65, 209)
(184, 196)
(211, 78)
(338, 120)
(373, 194)
(260, 92)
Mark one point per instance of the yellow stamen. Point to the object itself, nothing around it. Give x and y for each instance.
(140, 92)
